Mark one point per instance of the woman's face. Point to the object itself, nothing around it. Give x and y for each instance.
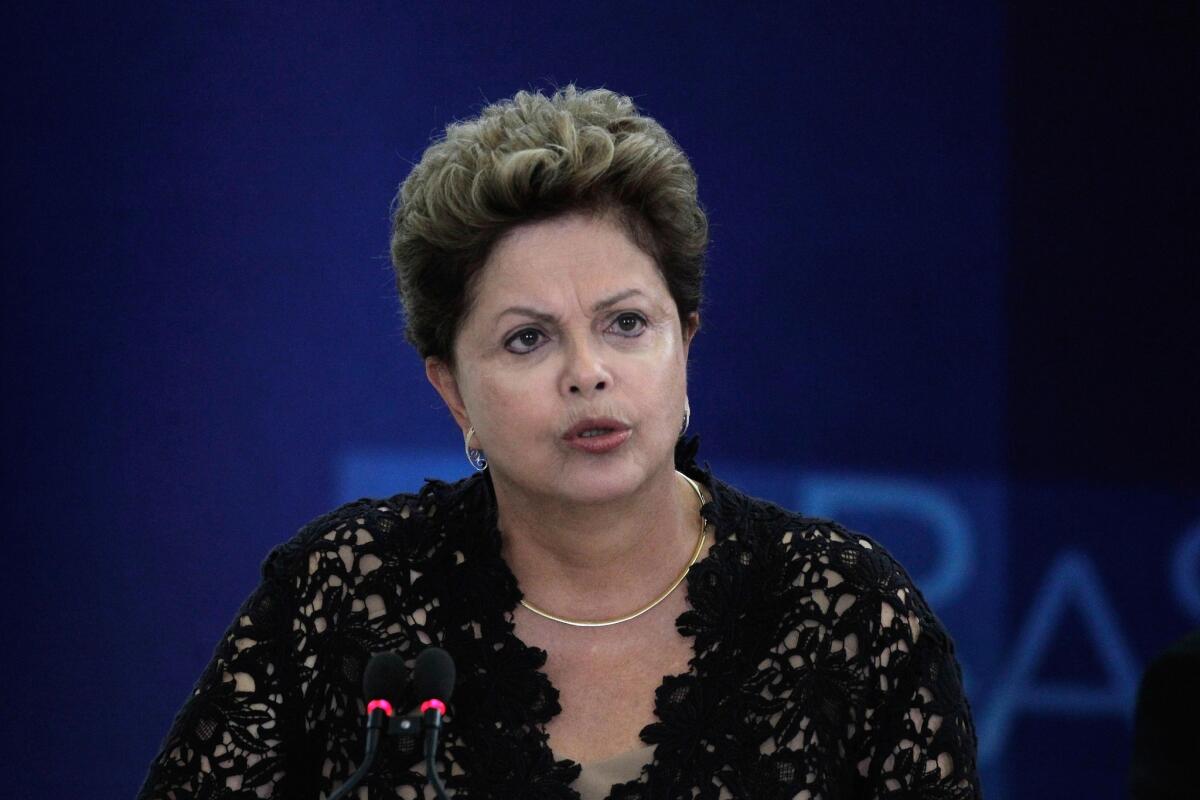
(571, 363)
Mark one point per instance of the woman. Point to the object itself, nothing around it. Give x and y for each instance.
(623, 623)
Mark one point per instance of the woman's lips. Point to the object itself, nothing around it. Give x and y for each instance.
(597, 435)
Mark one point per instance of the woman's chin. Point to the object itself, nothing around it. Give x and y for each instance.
(591, 481)
(602, 481)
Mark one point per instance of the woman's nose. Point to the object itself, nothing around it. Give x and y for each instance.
(585, 373)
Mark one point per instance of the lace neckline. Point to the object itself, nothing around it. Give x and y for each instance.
(504, 605)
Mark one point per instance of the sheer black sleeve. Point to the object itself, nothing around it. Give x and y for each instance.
(238, 732)
(917, 739)
(276, 712)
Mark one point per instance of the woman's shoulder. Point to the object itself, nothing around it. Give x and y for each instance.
(824, 557)
(762, 522)
(358, 536)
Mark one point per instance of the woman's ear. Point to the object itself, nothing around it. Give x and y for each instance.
(441, 376)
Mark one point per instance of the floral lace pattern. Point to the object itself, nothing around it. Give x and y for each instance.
(818, 670)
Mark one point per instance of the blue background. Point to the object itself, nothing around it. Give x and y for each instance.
(951, 303)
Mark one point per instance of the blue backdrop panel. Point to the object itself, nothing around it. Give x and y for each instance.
(202, 347)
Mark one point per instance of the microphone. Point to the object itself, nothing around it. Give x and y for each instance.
(433, 682)
(383, 683)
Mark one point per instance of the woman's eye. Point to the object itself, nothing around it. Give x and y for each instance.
(629, 324)
(524, 340)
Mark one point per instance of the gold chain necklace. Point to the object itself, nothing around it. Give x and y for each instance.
(580, 623)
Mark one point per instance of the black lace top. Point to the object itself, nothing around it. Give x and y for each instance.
(819, 671)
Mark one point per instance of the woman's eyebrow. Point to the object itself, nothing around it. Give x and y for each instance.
(526, 311)
(614, 299)
(542, 316)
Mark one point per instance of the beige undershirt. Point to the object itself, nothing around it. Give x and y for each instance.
(596, 779)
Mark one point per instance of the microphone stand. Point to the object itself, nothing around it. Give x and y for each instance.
(431, 722)
(377, 721)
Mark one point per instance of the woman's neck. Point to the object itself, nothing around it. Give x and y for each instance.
(599, 561)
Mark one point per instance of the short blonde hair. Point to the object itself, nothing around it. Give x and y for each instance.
(529, 158)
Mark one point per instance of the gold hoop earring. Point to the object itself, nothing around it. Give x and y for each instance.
(476, 456)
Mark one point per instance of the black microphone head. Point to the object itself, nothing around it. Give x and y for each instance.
(433, 675)
(385, 678)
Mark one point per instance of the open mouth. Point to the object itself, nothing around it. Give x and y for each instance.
(593, 432)
(598, 435)
(595, 427)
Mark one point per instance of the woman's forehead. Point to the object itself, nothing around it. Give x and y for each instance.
(583, 259)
